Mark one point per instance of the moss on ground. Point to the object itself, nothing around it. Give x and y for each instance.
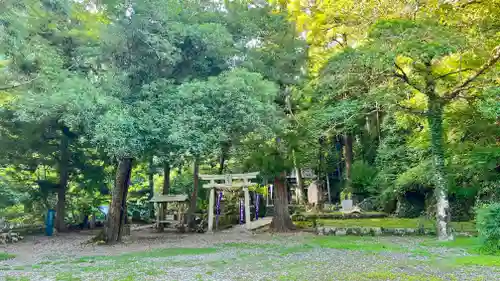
(395, 223)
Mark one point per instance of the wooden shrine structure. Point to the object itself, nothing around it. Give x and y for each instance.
(162, 201)
(241, 181)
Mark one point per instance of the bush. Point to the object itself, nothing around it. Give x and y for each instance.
(362, 178)
(488, 226)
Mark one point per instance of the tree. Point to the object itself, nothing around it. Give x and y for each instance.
(396, 52)
(157, 107)
(223, 108)
(56, 76)
(278, 55)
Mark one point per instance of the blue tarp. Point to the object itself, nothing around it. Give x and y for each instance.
(104, 209)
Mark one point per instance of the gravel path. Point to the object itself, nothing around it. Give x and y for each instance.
(228, 255)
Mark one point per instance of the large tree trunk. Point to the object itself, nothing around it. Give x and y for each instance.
(443, 217)
(299, 191)
(348, 154)
(117, 208)
(60, 224)
(194, 194)
(151, 182)
(282, 222)
(165, 191)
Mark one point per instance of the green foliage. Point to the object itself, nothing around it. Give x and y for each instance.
(488, 226)
(182, 183)
(260, 189)
(256, 84)
(362, 178)
(6, 256)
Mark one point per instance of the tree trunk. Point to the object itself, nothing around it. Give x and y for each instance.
(194, 194)
(443, 217)
(151, 182)
(151, 178)
(299, 191)
(117, 208)
(223, 156)
(166, 178)
(348, 154)
(282, 222)
(165, 191)
(60, 224)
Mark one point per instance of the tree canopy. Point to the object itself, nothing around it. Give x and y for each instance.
(382, 99)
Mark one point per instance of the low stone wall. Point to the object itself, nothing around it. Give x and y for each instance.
(371, 231)
(337, 216)
(378, 231)
(25, 230)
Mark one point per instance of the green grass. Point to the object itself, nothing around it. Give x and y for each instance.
(66, 276)
(395, 223)
(477, 260)
(10, 278)
(6, 256)
(389, 276)
(245, 245)
(368, 244)
(157, 253)
(470, 244)
(365, 244)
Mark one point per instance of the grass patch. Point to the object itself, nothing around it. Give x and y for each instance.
(66, 276)
(389, 276)
(157, 253)
(353, 243)
(364, 244)
(395, 223)
(6, 256)
(470, 244)
(249, 245)
(476, 260)
(11, 278)
(296, 249)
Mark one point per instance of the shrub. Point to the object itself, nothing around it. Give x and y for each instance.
(488, 226)
(362, 178)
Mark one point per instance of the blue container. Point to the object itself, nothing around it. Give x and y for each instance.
(49, 222)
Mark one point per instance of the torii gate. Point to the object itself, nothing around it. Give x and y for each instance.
(243, 181)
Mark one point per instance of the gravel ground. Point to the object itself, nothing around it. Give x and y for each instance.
(228, 255)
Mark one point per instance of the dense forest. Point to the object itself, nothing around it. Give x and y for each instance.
(105, 102)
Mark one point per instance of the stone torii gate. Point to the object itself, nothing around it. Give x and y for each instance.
(242, 181)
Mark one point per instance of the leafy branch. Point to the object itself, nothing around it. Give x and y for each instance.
(453, 73)
(454, 93)
(405, 77)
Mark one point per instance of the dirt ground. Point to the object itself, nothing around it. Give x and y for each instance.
(39, 248)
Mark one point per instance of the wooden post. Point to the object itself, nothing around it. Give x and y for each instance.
(247, 207)
(211, 210)
(328, 187)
